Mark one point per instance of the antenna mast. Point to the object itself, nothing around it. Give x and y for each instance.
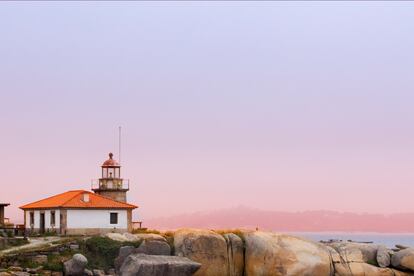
(119, 145)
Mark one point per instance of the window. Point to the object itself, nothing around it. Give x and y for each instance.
(31, 218)
(111, 173)
(52, 218)
(114, 218)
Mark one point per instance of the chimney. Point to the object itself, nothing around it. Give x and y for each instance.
(85, 197)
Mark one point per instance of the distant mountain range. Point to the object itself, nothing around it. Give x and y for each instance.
(307, 221)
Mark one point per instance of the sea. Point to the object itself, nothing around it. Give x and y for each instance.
(389, 240)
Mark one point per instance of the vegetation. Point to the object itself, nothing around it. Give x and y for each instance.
(18, 241)
(55, 262)
(145, 231)
(48, 233)
(372, 262)
(102, 251)
(169, 236)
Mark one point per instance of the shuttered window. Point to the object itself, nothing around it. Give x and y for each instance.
(31, 218)
(114, 218)
(52, 218)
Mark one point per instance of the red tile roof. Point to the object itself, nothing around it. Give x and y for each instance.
(74, 199)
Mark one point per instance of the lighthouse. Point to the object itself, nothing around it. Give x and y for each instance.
(111, 184)
(80, 212)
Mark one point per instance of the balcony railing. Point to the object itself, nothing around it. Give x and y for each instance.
(110, 184)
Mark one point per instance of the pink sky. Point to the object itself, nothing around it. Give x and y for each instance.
(276, 106)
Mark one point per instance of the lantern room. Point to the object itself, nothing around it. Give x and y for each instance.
(111, 184)
(111, 168)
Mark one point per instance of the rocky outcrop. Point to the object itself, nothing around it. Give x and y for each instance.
(124, 252)
(235, 253)
(356, 252)
(121, 237)
(361, 259)
(205, 247)
(384, 256)
(128, 237)
(403, 259)
(276, 254)
(148, 247)
(204, 252)
(364, 269)
(75, 266)
(154, 247)
(149, 265)
(149, 236)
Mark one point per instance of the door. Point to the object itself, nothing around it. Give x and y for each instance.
(42, 222)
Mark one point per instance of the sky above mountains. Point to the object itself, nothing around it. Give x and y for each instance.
(278, 106)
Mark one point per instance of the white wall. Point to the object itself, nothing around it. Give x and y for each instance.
(96, 219)
(47, 218)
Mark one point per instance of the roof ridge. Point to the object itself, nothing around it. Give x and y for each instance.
(78, 192)
(72, 199)
(46, 198)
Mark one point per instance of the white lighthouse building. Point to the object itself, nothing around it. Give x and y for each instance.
(80, 212)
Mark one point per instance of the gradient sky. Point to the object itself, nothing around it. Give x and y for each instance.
(272, 105)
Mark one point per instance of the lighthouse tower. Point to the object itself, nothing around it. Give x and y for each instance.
(111, 184)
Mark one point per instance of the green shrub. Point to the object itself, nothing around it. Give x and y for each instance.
(53, 266)
(372, 262)
(28, 263)
(102, 251)
(17, 242)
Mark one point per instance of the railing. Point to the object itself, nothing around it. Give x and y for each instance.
(17, 230)
(110, 184)
(136, 225)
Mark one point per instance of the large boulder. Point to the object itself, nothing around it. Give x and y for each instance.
(205, 247)
(148, 247)
(131, 237)
(117, 237)
(154, 247)
(122, 237)
(356, 252)
(235, 253)
(403, 259)
(334, 255)
(149, 265)
(383, 256)
(124, 252)
(149, 236)
(277, 254)
(364, 269)
(75, 266)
